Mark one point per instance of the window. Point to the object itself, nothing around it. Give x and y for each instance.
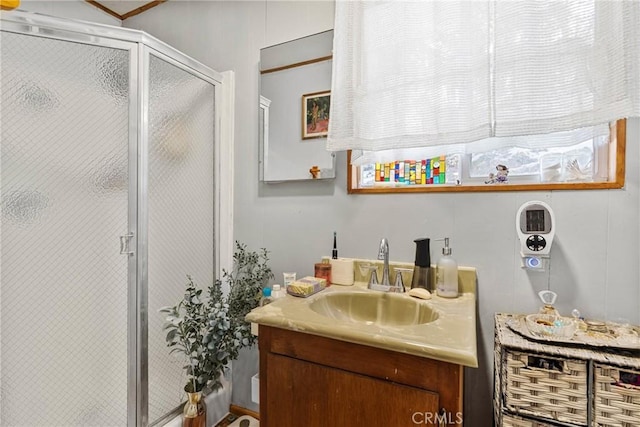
(596, 163)
(409, 76)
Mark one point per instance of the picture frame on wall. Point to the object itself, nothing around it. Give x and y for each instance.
(315, 114)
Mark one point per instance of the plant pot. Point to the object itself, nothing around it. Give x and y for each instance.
(195, 411)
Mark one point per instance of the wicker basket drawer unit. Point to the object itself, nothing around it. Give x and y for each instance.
(616, 396)
(514, 421)
(548, 387)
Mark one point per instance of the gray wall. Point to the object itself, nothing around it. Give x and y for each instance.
(595, 257)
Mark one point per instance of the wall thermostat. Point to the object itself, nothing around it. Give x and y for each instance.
(535, 224)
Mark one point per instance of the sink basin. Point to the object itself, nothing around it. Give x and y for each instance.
(373, 308)
(440, 328)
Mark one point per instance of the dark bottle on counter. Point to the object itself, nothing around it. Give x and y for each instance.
(421, 270)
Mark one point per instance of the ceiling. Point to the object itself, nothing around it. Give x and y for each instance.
(123, 9)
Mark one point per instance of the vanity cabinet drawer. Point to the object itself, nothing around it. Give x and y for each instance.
(509, 420)
(563, 385)
(616, 396)
(549, 387)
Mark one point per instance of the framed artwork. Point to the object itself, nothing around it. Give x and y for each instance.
(315, 114)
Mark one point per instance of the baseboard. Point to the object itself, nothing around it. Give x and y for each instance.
(240, 411)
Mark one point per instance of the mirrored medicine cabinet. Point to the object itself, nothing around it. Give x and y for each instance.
(295, 84)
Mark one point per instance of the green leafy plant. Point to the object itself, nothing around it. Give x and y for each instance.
(210, 330)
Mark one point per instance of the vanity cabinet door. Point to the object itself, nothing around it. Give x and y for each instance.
(312, 381)
(301, 393)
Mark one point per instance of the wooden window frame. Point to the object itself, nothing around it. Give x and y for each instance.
(617, 149)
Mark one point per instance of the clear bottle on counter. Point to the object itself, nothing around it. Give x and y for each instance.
(266, 297)
(447, 273)
(277, 292)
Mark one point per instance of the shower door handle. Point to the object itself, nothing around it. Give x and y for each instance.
(124, 244)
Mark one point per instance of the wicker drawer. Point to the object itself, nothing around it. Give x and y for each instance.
(509, 420)
(544, 386)
(616, 396)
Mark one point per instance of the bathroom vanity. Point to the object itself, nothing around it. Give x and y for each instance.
(309, 381)
(351, 356)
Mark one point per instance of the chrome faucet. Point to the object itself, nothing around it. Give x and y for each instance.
(383, 254)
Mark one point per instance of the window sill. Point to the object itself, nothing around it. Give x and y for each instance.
(446, 188)
(616, 180)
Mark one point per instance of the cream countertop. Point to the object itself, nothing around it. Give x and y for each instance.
(449, 338)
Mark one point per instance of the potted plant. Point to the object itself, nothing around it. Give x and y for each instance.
(209, 329)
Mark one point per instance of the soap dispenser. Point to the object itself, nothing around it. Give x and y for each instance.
(420, 277)
(447, 273)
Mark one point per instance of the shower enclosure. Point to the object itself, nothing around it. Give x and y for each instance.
(107, 177)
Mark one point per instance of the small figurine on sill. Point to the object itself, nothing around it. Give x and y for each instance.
(315, 172)
(500, 177)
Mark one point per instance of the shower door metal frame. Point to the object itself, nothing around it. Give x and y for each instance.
(139, 45)
(190, 66)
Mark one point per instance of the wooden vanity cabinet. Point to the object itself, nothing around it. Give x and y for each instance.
(312, 381)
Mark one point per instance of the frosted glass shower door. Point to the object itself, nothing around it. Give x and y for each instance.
(65, 182)
(180, 149)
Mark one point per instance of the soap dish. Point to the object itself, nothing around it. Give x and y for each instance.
(546, 325)
(306, 286)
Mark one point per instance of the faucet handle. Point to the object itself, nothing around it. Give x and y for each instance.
(399, 282)
(398, 286)
(373, 279)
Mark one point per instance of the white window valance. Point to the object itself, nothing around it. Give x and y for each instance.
(422, 73)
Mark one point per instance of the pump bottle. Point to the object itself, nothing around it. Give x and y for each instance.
(422, 265)
(447, 273)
